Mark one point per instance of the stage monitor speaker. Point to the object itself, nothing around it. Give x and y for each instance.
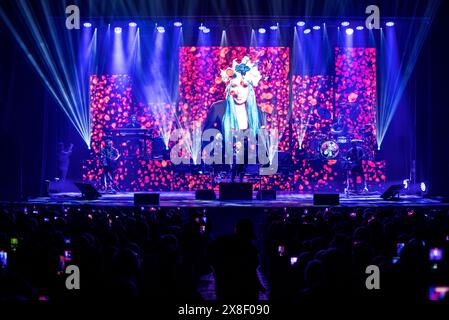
(88, 191)
(326, 199)
(392, 193)
(235, 191)
(266, 195)
(141, 199)
(205, 194)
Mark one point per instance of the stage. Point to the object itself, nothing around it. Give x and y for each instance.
(187, 199)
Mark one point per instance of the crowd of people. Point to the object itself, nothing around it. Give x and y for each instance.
(305, 254)
(122, 253)
(323, 254)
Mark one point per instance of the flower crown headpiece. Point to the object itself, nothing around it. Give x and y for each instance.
(247, 71)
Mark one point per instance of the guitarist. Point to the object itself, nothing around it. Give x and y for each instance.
(355, 156)
(108, 159)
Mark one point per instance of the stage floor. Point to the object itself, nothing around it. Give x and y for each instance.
(187, 199)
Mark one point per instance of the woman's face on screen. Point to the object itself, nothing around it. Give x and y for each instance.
(239, 91)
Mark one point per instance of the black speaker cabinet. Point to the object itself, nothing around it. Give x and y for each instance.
(205, 194)
(236, 191)
(392, 193)
(88, 191)
(141, 199)
(326, 199)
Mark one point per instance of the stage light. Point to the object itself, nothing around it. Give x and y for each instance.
(160, 29)
(345, 23)
(316, 27)
(307, 31)
(201, 27)
(63, 67)
(224, 39)
(262, 30)
(133, 24)
(397, 67)
(300, 23)
(177, 24)
(406, 183)
(274, 27)
(118, 53)
(87, 24)
(423, 187)
(206, 30)
(360, 28)
(390, 24)
(349, 31)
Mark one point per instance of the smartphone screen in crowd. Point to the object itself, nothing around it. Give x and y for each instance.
(435, 254)
(67, 255)
(399, 247)
(281, 250)
(293, 260)
(3, 259)
(437, 293)
(14, 244)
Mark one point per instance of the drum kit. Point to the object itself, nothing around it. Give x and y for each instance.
(338, 149)
(332, 148)
(337, 143)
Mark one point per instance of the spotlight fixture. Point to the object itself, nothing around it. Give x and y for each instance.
(206, 30)
(360, 28)
(133, 24)
(274, 27)
(316, 27)
(177, 24)
(300, 23)
(307, 31)
(423, 187)
(118, 30)
(87, 24)
(160, 29)
(262, 30)
(345, 23)
(201, 27)
(349, 31)
(390, 24)
(406, 183)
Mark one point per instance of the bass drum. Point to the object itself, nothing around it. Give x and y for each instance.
(329, 149)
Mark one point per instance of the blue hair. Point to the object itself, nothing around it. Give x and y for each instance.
(230, 122)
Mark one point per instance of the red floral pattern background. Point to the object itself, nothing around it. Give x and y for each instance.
(201, 84)
(355, 93)
(312, 113)
(316, 102)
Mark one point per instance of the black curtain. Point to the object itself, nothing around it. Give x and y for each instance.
(432, 126)
(31, 125)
